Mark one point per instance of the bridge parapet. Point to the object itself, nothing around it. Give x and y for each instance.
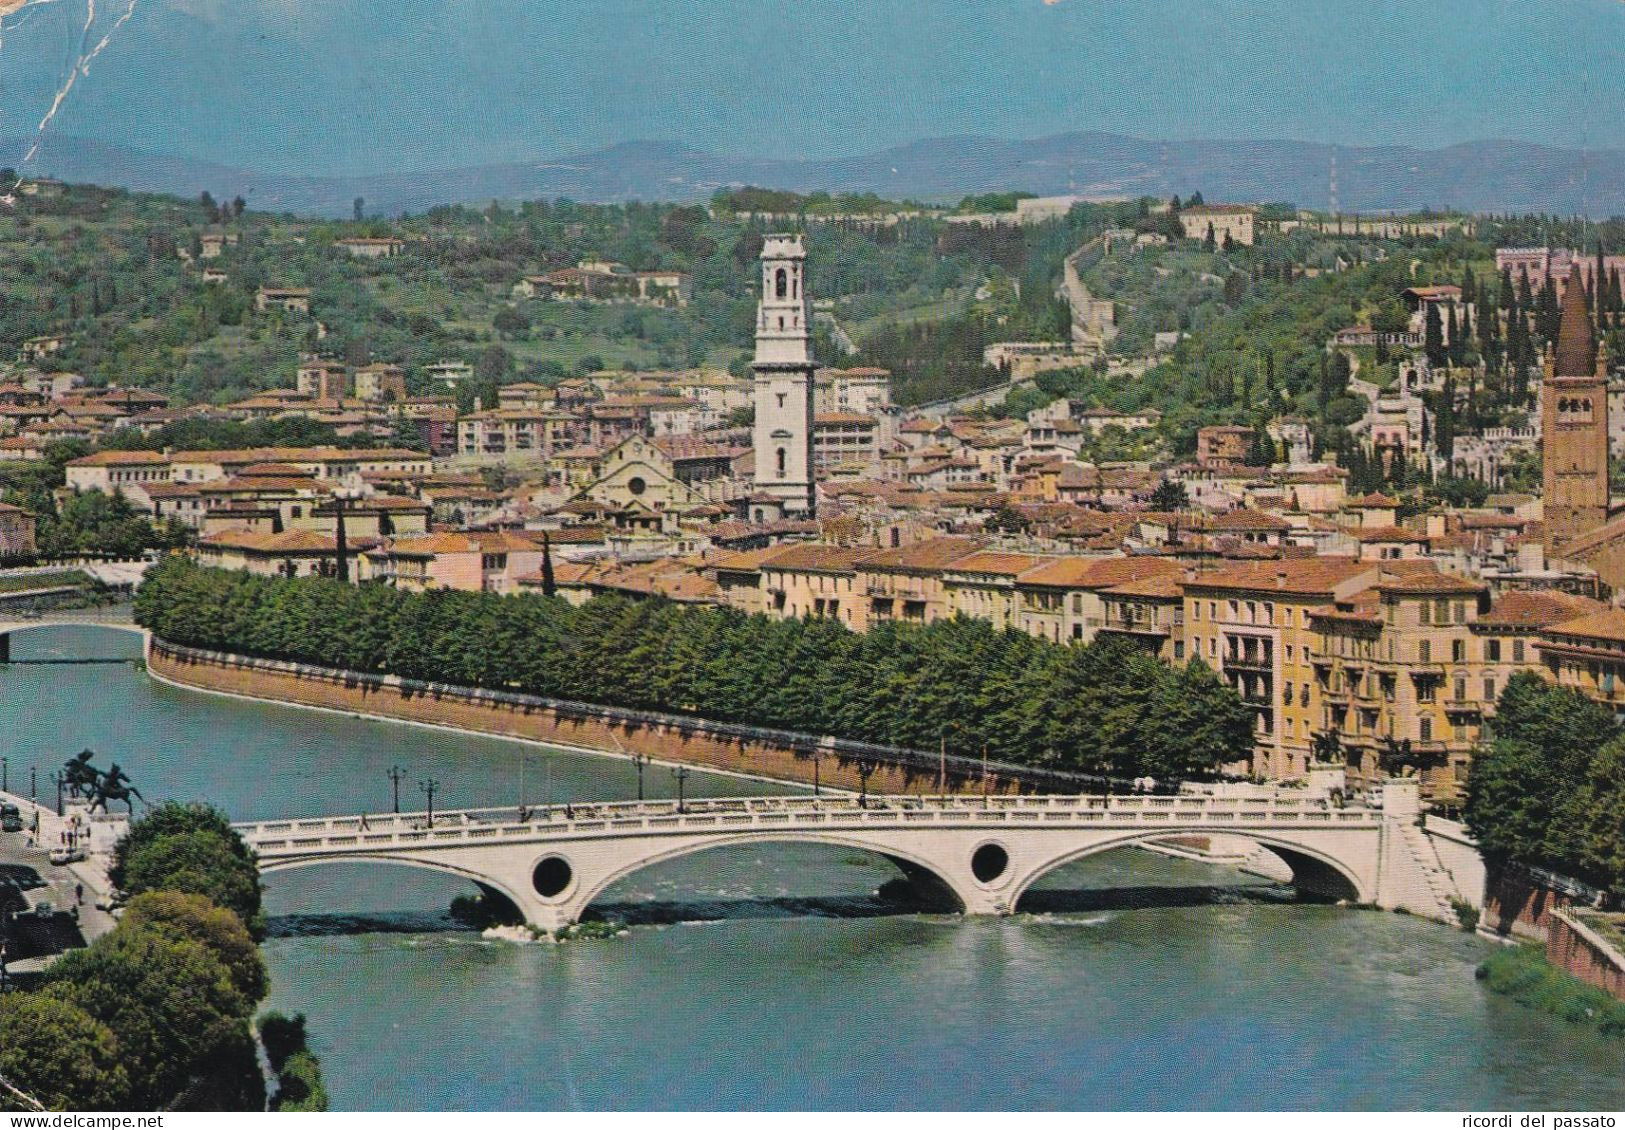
(284, 840)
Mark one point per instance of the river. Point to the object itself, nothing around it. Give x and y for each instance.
(768, 977)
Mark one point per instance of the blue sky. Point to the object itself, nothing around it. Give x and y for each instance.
(355, 86)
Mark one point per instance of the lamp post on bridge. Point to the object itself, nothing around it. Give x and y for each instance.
(681, 773)
(33, 785)
(429, 788)
(396, 774)
(639, 760)
(58, 780)
(5, 774)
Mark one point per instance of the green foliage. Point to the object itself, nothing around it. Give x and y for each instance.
(180, 1022)
(1548, 790)
(29, 582)
(1170, 496)
(1102, 708)
(193, 917)
(993, 201)
(1524, 974)
(56, 1052)
(226, 435)
(299, 1073)
(190, 848)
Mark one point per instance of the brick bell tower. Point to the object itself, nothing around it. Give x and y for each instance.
(1574, 425)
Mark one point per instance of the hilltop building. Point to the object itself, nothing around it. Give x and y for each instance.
(1225, 222)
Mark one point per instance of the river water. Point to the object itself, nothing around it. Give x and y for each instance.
(770, 977)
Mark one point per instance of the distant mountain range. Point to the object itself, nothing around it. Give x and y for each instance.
(1480, 176)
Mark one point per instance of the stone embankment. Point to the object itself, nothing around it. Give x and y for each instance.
(745, 750)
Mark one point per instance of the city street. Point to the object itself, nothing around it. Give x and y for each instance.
(37, 900)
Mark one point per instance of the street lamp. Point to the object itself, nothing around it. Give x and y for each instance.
(396, 774)
(5, 774)
(815, 775)
(639, 760)
(429, 788)
(866, 766)
(681, 773)
(33, 784)
(58, 780)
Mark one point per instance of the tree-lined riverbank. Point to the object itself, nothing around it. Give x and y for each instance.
(1108, 708)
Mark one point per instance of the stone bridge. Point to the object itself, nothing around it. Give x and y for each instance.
(979, 854)
(116, 616)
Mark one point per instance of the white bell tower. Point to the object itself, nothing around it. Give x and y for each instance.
(784, 377)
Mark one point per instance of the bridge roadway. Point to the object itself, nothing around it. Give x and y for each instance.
(551, 862)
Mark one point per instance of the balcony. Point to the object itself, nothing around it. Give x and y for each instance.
(1244, 662)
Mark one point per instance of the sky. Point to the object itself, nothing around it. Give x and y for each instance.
(326, 87)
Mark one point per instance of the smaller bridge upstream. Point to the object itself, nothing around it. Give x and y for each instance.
(116, 616)
(980, 855)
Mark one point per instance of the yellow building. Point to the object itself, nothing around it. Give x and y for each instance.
(815, 580)
(1150, 612)
(1061, 601)
(983, 585)
(907, 583)
(1587, 654)
(1252, 623)
(1400, 677)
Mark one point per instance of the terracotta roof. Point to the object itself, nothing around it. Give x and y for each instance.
(1606, 625)
(295, 482)
(995, 563)
(1427, 580)
(1098, 572)
(120, 459)
(1584, 543)
(1250, 520)
(1389, 533)
(815, 558)
(930, 555)
(289, 541)
(1537, 608)
(1301, 576)
(745, 560)
(1167, 586)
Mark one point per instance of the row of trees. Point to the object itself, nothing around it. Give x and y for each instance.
(157, 1014)
(1549, 789)
(1107, 708)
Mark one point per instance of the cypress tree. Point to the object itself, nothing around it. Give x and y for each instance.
(1433, 336)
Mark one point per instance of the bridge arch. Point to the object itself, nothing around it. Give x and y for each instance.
(478, 877)
(9, 628)
(1311, 866)
(927, 875)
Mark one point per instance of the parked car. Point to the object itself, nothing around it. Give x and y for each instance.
(65, 855)
(11, 818)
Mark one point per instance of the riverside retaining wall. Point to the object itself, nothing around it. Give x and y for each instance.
(692, 741)
(1572, 945)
